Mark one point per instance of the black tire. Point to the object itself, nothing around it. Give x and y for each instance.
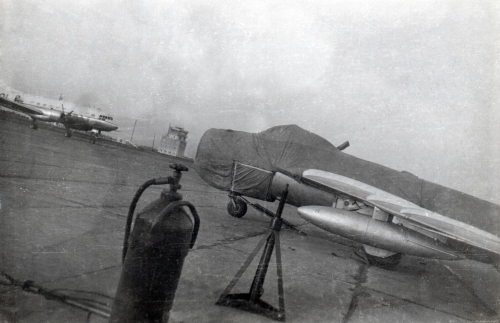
(67, 134)
(389, 263)
(33, 126)
(92, 141)
(238, 209)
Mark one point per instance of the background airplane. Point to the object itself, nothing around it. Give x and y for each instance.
(59, 111)
(390, 212)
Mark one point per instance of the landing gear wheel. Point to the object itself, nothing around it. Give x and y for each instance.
(67, 135)
(92, 141)
(389, 263)
(237, 209)
(33, 126)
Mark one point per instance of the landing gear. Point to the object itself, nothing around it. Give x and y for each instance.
(33, 125)
(95, 135)
(68, 133)
(236, 207)
(389, 263)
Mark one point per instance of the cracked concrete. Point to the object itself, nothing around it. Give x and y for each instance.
(358, 291)
(63, 204)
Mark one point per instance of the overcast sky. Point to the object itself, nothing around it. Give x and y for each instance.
(413, 85)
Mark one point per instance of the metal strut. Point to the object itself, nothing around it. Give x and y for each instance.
(252, 301)
(265, 211)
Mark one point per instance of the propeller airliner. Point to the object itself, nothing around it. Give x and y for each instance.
(58, 111)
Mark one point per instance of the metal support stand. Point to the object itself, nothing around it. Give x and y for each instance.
(252, 301)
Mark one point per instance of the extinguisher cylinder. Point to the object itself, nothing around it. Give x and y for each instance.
(152, 268)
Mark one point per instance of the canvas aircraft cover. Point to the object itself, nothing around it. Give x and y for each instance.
(245, 162)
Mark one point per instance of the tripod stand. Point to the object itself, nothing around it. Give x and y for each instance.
(252, 301)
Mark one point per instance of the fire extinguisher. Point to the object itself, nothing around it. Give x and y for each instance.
(153, 254)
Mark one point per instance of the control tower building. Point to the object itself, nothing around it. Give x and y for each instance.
(174, 142)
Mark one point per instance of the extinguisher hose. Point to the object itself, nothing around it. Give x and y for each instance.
(196, 218)
(133, 205)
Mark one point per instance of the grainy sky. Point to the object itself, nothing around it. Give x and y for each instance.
(414, 85)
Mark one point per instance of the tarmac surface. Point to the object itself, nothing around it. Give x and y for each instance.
(63, 207)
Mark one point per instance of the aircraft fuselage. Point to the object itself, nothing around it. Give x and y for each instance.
(58, 111)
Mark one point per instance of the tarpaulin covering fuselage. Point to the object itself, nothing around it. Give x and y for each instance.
(246, 162)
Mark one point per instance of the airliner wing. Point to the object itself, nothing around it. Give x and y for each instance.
(392, 204)
(20, 107)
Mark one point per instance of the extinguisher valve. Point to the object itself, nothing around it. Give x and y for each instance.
(179, 167)
(174, 180)
(162, 180)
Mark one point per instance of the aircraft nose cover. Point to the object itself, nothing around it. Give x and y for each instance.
(244, 162)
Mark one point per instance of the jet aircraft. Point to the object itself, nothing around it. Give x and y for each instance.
(59, 111)
(390, 212)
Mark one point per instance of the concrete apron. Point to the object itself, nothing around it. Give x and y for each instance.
(62, 217)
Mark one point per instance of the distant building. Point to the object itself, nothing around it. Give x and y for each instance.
(130, 144)
(174, 142)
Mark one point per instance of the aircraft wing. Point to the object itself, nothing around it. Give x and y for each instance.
(19, 107)
(392, 204)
